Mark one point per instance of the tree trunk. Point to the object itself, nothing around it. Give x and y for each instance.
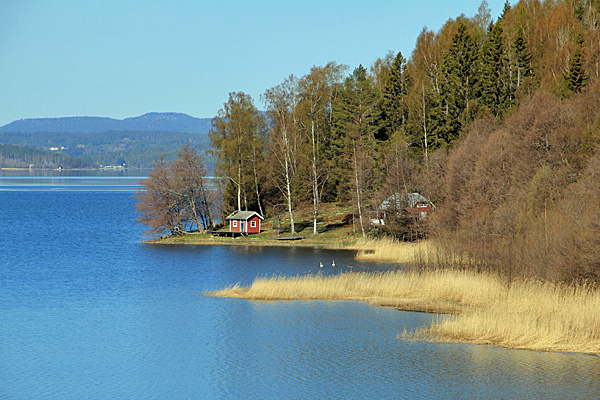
(289, 193)
(358, 196)
(315, 179)
(239, 186)
(195, 217)
(425, 129)
(257, 192)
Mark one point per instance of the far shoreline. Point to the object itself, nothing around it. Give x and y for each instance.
(209, 240)
(378, 250)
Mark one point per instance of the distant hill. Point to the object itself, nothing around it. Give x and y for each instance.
(135, 142)
(12, 156)
(163, 122)
(133, 148)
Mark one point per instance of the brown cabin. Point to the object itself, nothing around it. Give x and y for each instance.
(413, 204)
(244, 221)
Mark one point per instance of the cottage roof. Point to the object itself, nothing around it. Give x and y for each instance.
(399, 201)
(243, 215)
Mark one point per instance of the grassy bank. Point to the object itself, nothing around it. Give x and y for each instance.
(526, 315)
(336, 231)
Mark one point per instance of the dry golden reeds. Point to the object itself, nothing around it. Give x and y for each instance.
(391, 250)
(526, 314)
(530, 315)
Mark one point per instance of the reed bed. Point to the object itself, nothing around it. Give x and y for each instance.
(390, 250)
(529, 315)
(433, 291)
(526, 314)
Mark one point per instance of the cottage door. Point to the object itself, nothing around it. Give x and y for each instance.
(242, 226)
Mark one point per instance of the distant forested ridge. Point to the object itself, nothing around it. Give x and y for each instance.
(497, 122)
(165, 122)
(135, 142)
(12, 156)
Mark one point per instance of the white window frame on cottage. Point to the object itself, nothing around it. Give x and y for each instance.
(235, 223)
(252, 224)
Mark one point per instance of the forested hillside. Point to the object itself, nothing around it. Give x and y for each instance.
(135, 142)
(496, 121)
(23, 157)
(133, 148)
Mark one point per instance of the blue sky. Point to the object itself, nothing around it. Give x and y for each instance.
(119, 59)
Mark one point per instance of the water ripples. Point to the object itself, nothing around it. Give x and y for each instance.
(87, 311)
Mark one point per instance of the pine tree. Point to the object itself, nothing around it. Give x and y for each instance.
(575, 77)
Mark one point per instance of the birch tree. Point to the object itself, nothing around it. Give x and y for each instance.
(282, 101)
(317, 91)
(236, 144)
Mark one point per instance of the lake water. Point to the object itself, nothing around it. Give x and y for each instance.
(87, 311)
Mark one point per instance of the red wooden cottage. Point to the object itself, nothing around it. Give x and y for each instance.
(244, 221)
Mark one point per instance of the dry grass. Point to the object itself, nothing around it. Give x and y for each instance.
(531, 315)
(435, 291)
(387, 249)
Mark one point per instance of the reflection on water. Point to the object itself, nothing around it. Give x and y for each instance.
(350, 350)
(81, 183)
(87, 311)
(37, 173)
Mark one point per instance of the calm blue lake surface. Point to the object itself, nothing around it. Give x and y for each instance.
(87, 311)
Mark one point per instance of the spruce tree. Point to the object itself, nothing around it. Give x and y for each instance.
(522, 58)
(394, 91)
(574, 76)
(462, 65)
(578, 9)
(444, 116)
(458, 87)
(354, 127)
(505, 10)
(495, 84)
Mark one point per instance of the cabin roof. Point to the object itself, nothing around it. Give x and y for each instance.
(243, 215)
(399, 201)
